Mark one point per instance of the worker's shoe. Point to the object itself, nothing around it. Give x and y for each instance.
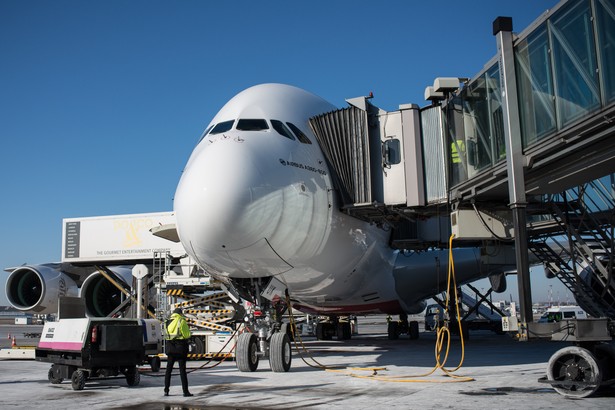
(166, 392)
(188, 394)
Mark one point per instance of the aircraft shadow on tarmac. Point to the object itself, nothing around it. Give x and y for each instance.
(484, 348)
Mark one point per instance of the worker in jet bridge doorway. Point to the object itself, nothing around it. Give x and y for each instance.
(177, 335)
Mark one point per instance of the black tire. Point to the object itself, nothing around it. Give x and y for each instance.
(78, 379)
(280, 352)
(51, 376)
(343, 331)
(197, 346)
(465, 331)
(574, 364)
(392, 330)
(413, 330)
(133, 377)
(154, 363)
(247, 352)
(320, 331)
(324, 331)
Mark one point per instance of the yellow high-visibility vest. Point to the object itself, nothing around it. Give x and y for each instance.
(454, 154)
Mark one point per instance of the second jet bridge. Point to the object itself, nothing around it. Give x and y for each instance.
(384, 170)
(376, 154)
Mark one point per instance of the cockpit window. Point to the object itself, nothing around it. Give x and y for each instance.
(300, 135)
(282, 129)
(206, 132)
(222, 127)
(252, 125)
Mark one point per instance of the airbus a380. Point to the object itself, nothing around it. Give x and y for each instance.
(256, 208)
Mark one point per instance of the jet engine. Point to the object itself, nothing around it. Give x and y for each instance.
(37, 288)
(100, 296)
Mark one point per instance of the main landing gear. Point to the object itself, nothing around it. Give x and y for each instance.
(402, 326)
(338, 327)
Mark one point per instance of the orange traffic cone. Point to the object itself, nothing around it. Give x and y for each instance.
(14, 344)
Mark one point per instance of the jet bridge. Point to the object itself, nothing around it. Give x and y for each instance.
(384, 171)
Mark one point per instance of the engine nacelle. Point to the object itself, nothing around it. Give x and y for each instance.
(37, 288)
(100, 296)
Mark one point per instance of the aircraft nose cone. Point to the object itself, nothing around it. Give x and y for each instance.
(213, 199)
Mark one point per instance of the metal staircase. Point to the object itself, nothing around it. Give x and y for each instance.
(580, 253)
(160, 265)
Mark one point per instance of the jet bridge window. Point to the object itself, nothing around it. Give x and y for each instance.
(222, 127)
(282, 129)
(300, 135)
(252, 125)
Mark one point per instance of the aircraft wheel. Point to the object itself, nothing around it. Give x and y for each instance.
(280, 353)
(324, 331)
(578, 369)
(392, 330)
(51, 376)
(247, 352)
(133, 377)
(320, 331)
(343, 331)
(413, 330)
(78, 379)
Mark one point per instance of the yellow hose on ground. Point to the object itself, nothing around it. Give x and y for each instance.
(443, 337)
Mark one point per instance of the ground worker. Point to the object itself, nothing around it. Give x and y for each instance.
(458, 149)
(177, 335)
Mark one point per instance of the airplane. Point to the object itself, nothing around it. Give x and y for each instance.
(256, 207)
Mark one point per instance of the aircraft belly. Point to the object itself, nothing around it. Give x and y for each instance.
(353, 278)
(421, 275)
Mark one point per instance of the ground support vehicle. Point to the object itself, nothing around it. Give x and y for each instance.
(87, 348)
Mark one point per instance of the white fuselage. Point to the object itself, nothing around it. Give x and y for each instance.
(254, 203)
(257, 201)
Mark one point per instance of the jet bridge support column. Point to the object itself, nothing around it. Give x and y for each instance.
(502, 29)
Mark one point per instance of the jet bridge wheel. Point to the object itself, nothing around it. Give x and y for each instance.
(280, 353)
(577, 369)
(247, 352)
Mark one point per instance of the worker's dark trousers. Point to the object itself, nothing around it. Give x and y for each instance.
(181, 361)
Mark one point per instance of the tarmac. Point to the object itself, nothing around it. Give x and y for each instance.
(497, 372)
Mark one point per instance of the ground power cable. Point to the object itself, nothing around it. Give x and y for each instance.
(299, 342)
(443, 338)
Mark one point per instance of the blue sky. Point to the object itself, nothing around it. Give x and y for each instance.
(101, 102)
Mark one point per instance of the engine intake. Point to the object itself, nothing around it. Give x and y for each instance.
(37, 288)
(100, 296)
